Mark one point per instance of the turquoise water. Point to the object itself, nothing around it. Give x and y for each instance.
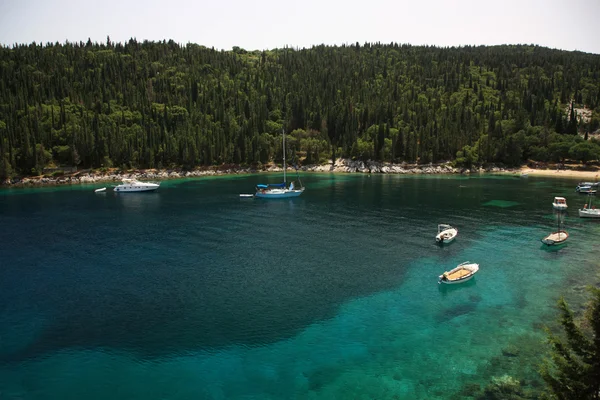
(193, 292)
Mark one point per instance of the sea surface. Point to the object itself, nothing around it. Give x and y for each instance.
(192, 292)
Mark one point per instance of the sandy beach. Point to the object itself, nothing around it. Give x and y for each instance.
(592, 176)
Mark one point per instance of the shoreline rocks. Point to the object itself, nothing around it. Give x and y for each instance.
(340, 166)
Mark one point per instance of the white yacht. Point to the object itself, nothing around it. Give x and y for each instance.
(133, 185)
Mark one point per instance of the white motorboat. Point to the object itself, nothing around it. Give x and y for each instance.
(133, 185)
(593, 185)
(559, 203)
(589, 211)
(100, 190)
(279, 190)
(446, 233)
(587, 187)
(462, 273)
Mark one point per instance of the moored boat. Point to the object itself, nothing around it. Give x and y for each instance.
(462, 273)
(555, 238)
(559, 203)
(589, 211)
(133, 185)
(446, 233)
(279, 190)
(558, 237)
(100, 190)
(587, 187)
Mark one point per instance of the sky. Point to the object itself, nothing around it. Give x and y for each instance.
(268, 24)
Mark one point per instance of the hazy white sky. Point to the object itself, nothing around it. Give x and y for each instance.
(266, 24)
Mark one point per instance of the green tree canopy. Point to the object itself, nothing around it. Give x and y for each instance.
(573, 371)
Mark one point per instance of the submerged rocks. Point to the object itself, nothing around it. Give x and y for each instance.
(510, 351)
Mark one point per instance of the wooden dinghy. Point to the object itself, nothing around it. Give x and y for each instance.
(462, 273)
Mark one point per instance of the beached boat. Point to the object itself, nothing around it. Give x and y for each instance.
(559, 203)
(133, 185)
(462, 273)
(446, 233)
(280, 190)
(558, 237)
(589, 211)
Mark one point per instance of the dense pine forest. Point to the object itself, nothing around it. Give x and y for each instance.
(165, 105)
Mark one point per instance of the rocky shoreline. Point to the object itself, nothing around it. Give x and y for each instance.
(340, 166)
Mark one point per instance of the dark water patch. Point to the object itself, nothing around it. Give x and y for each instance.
(449, 314)
(500, 203)
(521, 300)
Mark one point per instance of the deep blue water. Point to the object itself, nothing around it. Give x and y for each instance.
(193, 292)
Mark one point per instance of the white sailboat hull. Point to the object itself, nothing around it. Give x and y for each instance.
(278, 193)
(140, 189)
(593, 213)
(555, 238)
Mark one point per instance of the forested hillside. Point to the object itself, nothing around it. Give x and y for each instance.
(163, 105)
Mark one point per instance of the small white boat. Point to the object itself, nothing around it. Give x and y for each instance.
(559, 203)
(246, 195)
(589, 211)
(462, 273)
(586, 187)
(133, 185)
(272, 192)
(100, 190)
(279, 190)
(446, 233)
(556, 238)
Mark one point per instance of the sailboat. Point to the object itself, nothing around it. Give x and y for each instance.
(558, 237)
(279, 190)
(588, 211)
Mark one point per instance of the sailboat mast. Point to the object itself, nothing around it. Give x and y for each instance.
(283, 155)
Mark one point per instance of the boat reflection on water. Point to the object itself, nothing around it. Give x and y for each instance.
(446, 289)
(555, 248)
(142, 202)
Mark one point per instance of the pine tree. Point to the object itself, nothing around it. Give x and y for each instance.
(573, 372)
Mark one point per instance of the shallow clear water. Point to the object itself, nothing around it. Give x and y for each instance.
(193, 292)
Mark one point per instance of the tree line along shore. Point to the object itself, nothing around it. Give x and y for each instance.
(165, 106)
